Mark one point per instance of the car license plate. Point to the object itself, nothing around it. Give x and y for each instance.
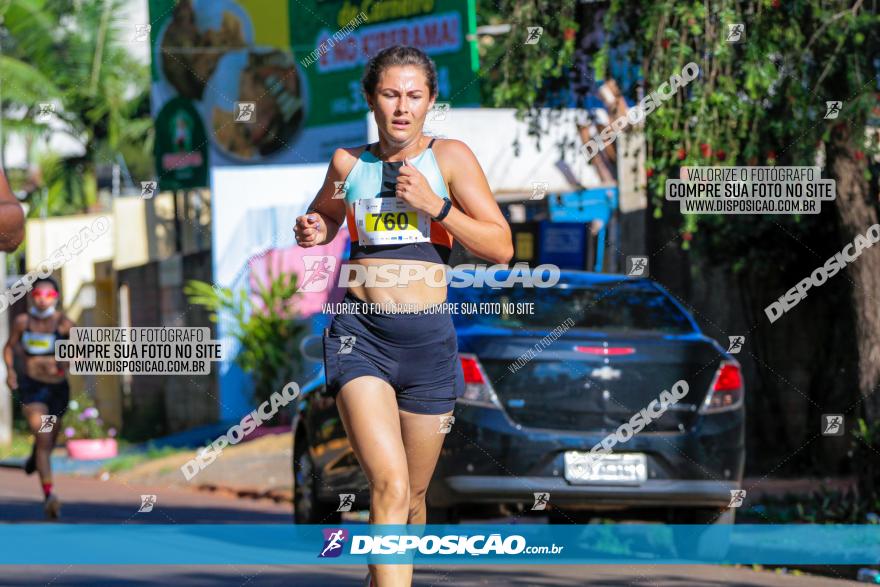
(618, 469)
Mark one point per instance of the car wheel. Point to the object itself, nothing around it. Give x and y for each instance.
(307, 509)
(709, 543)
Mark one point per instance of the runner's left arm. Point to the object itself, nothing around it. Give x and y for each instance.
(476, 222)
(64, 326)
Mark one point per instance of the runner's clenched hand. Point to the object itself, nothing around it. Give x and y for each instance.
(310, 230)
(413, 188)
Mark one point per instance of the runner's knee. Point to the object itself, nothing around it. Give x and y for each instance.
(392, 491)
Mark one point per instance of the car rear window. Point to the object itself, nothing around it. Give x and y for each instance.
(623, 305)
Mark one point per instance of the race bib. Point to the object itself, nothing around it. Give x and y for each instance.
(389, 221)
(38, 343)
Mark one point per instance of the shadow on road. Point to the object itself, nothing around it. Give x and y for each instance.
(78, 512)
(351, 576)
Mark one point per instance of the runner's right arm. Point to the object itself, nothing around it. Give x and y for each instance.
(326, 213)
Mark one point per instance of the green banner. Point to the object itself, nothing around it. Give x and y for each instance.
(278, 81)
(438, 27)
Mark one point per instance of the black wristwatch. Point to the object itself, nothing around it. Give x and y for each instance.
(444, 211)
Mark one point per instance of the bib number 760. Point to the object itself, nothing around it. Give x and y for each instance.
(392, 221)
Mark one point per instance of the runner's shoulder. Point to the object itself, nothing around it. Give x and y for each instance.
(453, 150)
(452, 155)
(344, 159)
(20, 321)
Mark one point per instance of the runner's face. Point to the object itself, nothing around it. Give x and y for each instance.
(401, 102)
(44, 296)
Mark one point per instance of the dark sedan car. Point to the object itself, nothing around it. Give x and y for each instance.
(552, 372)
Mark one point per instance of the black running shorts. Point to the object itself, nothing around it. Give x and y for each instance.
(416, 353)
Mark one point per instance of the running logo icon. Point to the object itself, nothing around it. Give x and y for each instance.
(346, 344)
(333, 540)
(147, 503)
(736, 32)
(539, 189)
(318, 270)
(541, 500)
(244, 111)
(446, 423)
(148, 189)
(832, 424)
(832, 109)
(47, 423)
(341, 188)
(737, 496)
(141, 32)
(637, 266)
(44, 114)
(736, 344)
(534, 35)
(438, 112)
(346, 500)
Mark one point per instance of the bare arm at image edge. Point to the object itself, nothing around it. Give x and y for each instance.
(11, 218)
(9, 350)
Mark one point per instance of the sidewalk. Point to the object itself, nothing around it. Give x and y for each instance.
(257, 468)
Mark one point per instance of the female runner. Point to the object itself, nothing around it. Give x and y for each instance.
(405, 198)
(43, 387)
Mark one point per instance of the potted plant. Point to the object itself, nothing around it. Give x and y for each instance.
(266, 327)
(87, 438)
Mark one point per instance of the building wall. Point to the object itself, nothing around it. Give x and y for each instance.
(147, 231)
(633, 199)
(144, 258)
(45, 236)
(155, 405)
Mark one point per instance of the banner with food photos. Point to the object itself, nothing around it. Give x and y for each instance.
(277, 82)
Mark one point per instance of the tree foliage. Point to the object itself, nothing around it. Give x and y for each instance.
(761, 101)
(72, 55)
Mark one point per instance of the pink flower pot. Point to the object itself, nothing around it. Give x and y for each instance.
(92, 449)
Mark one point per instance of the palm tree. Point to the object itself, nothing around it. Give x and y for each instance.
(73, 55)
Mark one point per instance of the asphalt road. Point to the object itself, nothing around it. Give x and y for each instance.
(87, 500)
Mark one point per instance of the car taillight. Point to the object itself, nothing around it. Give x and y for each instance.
(729, 378)
(727, 389)
(477, 389)
(471, 371)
